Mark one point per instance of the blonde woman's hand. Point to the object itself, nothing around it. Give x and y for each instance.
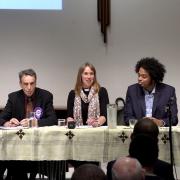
(93, 122)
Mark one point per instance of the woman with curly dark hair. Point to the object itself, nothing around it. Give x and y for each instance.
(150, 97)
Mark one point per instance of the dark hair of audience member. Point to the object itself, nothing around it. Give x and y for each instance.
(88, 172)
(146, 126)
(144, 148)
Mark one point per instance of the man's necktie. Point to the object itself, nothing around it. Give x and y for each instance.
(29, 106)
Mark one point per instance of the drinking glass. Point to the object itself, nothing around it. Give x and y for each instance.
(112, 116)
(132, 122)
(61, 122)
(33, 122)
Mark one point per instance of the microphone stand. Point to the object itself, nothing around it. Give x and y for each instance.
(170, 134)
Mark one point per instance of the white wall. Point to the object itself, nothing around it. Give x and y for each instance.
(55, 44)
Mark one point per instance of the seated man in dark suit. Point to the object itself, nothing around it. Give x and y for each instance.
(150, 97)
(148, 127)
(29, 99)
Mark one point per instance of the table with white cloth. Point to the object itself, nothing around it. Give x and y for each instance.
(83, 143)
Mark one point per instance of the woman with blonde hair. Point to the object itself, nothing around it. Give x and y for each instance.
(86, 104)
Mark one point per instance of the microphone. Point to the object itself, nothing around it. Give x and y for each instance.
(170, 102)
(172, 98)
(168, 110)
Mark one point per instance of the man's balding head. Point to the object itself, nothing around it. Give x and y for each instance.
(127, 168)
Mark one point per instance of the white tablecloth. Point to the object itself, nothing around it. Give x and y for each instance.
(91, 144)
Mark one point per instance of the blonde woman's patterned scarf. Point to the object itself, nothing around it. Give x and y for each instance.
(93, 108)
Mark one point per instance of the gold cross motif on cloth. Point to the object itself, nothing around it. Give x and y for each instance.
(20, 133)
(123, 136)
(70, 134)
(165, 138)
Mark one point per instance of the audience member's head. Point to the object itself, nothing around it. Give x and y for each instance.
(88, 172)
(144, 148)
(146, 126)
(127, 169)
